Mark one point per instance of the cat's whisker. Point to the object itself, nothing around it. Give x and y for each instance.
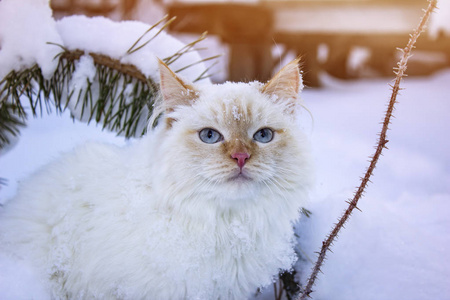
(207, 183)
(198, 186)
(283, 180)
(268, 186)
(274, 184)
(261, 169)
(215, 171)
(286, 170)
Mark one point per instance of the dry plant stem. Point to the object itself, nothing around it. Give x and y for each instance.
(382, 141)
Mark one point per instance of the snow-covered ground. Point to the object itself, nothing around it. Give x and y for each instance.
(398, 246)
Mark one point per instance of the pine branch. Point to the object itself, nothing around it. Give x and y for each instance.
(133, 49)
(120, 97)
(382, 141)
(112, 107)
(106, 61)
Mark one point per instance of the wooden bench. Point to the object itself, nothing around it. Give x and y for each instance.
(301, 26)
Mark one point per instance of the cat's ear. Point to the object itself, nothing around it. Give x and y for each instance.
(286, 84)
(175, 91)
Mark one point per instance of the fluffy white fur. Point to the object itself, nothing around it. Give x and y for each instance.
(162, 219)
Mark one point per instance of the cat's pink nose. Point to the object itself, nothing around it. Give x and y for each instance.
(241, 158)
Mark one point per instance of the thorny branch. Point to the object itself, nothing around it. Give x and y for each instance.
(382, 141)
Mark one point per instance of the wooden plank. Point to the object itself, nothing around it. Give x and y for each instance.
(247, 29)
(302, 25)
(232, 22)
(348, 18)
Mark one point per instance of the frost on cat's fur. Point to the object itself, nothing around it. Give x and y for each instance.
(200, 208)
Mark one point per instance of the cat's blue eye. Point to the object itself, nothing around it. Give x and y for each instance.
(264, 135)
(210, 136)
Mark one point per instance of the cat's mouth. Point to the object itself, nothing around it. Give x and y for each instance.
(239, 177)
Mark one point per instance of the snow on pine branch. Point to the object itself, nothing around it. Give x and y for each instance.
(84, 64)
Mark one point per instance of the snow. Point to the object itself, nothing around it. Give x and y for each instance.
(114, 39)
(21, 281)
(29, 35)
(84, 69)
(18, 17)
(41, 38)
(235, 111)
(43, 141)
(397, 247)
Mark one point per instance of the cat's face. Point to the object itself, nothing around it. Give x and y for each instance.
(235, 140)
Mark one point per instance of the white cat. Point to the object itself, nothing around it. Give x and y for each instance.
(200, 208)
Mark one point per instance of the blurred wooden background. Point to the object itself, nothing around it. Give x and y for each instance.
(324, 33)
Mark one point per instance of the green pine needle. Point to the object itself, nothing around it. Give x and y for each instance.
(106, 100)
